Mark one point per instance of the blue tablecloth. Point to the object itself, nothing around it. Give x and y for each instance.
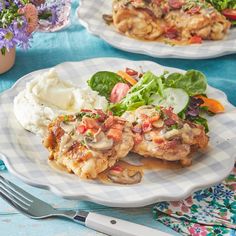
(75, 44)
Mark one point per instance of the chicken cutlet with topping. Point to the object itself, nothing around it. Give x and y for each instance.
(160, 133)
(186, 21)
(88, 142)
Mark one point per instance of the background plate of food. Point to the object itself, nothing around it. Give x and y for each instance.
(169, 29)
(56, 133)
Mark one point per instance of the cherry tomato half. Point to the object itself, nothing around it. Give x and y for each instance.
(131, 72)
(118, 92)
(229, 13)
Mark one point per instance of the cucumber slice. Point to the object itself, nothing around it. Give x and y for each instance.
(172, 97)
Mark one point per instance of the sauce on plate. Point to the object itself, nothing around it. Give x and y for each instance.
(145, 164)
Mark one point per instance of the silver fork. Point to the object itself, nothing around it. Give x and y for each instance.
(38, 209)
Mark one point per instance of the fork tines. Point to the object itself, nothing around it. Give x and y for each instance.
(15, 196)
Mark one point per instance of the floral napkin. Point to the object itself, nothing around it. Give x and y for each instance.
(208, 212)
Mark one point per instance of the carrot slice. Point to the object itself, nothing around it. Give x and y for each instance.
(212, 104)
(126, 77)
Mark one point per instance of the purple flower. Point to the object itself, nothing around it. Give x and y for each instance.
(18, 3)
(7, 38)
(4, 4)
(54, 14)
(15, 35)
(13, 27)
(51, 11)
(1, 6)
(21, 34)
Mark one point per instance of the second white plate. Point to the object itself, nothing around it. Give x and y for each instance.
(90, 15)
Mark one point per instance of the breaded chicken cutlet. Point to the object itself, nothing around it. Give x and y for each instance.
(160, 133)
(88, 142)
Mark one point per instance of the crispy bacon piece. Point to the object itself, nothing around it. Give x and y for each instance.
(114, 134)
(90, 123)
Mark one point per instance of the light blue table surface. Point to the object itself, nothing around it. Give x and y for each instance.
(75, 44)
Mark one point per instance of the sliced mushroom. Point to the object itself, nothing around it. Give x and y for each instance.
(100, 143)
(67, 127)
(158, 124)
(148, 136)
(107, 18)
(148, 110)
(125, 177)
(99, 135)
(129, 116)
(172, 133)
(196, 131)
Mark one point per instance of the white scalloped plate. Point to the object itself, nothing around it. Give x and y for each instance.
(26, 158)
(90, 16)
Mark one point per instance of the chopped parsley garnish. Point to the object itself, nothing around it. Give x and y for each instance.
(80, 115)
(66, 118)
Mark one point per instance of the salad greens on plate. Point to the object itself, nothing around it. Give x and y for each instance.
(226, 7)
(220, 5)
(223, 4)
(185, 93)
(193, 82)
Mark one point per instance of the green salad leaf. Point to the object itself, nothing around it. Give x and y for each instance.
(140, 93)
(193, 82)
(103, 82)
(220, 5)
